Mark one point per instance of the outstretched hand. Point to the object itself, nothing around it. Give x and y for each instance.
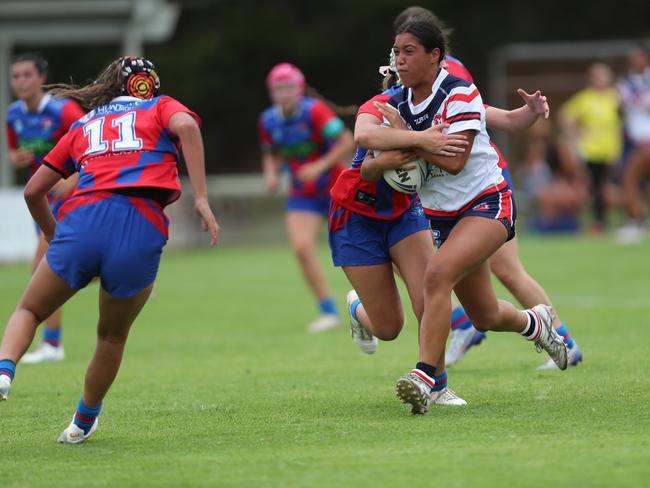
(536, 102)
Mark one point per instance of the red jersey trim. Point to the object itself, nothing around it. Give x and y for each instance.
(455, 213)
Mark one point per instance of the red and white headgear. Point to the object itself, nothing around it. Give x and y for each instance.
(286, 72)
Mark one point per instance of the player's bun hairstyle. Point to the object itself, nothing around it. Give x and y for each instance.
(415, 13)
(37, 59)
(115, 80)
(430, 36)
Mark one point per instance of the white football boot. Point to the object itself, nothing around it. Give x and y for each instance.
(447, 396)
(361, 336)
(73, 434)
(45, 353)
(574, 357)
(549, 340)
(412, 389)
(5, 387)
(324, 322)
(461, 341)
(630, 234)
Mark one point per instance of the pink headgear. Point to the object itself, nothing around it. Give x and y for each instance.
(286, 72)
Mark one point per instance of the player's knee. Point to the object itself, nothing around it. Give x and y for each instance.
(303, 248)
(484, 321)
(507, 275)
(438, 279)
(389, 330)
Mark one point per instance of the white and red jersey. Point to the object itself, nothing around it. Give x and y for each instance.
(123, 144)
(634, 92)
(456, 102)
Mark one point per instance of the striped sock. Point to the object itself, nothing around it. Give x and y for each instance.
(441, 381)
(533, 328)
(85, 416)
(8, 368)
(327, 306)
(459, 319)
(564, 332)
(425, 372)
(52, 336)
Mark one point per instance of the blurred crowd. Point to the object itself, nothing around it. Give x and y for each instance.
(595, 160)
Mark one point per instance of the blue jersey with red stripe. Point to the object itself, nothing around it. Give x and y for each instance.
(39, 131)
(301, 139)
(123, 144)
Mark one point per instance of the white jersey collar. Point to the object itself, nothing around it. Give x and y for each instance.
(41, 105)
(416, 109)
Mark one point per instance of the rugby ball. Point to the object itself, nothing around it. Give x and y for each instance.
(408, 180)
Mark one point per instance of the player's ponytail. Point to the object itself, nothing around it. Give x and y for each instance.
(340, 110)
(132, 76)
(105, 88)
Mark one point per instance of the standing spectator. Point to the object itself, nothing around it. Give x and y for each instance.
(591, 121)
(634, 91)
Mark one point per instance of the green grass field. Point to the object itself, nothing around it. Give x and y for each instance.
(222, 386)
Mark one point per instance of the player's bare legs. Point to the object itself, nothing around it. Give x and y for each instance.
(303, 229)
(509, 270)
(116, 315)
(380, 310)
(45, 293)
(50, 348)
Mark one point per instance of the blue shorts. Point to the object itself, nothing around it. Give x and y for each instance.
(358, 240)
(319, 205)
(115, 237)
(498, 205)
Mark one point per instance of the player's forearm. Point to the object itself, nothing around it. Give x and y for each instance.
(270, 163)
(385, 138)
(40, 211)
(371, 170)
(510, 120)
(193, 153)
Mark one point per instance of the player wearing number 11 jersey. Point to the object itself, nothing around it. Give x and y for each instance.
(126, 151)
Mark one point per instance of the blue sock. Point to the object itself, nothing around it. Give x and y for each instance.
(52, 336)
(8, 368)
(441, 381)
(327, 306)
(85, 416)
(459, 319)
(564, 332)
(353, 308)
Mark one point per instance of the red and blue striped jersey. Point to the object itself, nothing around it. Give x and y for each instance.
(302, 138)
(39, 131)
(376, 200)
(123, 144)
